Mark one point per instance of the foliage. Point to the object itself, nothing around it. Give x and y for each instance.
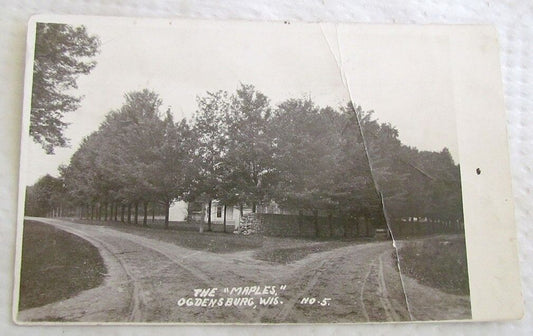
(134, 157)
(45, 195)
(62, 53)
(247, 164)
(241, 151)
(304, 155)
(210, 133)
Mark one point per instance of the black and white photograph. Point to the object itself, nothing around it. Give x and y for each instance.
(203, 171)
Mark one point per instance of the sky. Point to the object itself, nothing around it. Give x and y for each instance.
(403, 75)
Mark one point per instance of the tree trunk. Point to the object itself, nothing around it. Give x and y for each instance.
(315, 220)
(122, 206)
(145, 218)
(136, 216)
(167, 213)
(105, 212)
(153, 213)
(370, 228)
(201, 226)
(300, 223)
(92, 212)
(254, 207)
(209, 215)
(241, 209)
(345, 227)
(400, 224)
(129, 213)
(116, 211)
(224, 218)
(330, 222)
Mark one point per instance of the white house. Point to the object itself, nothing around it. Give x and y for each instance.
(178, 212)
(181, 211)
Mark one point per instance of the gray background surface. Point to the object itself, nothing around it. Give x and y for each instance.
(513, 20)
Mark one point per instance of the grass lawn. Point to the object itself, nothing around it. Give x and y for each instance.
(56, 265)
(272, 249)
(437, 262)
(217, 242)
(286, 255)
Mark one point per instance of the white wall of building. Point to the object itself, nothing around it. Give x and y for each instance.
(178, 212)
(217, 214)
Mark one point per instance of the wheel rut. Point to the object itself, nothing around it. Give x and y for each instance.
(138, 302)
(157, 274)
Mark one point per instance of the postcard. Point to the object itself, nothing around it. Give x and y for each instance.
(203, 171)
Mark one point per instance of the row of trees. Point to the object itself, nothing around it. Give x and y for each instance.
(240, 150)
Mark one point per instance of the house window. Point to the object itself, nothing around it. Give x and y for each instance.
(219, 211)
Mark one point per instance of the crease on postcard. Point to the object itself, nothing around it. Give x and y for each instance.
(334, 45)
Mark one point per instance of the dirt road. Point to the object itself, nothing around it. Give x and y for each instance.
(149, 281)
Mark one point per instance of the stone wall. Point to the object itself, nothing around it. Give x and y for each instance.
(249, 224)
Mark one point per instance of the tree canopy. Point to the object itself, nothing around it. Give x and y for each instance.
(44, 196)
(62, 54)
(238, 149)
(137, 156)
